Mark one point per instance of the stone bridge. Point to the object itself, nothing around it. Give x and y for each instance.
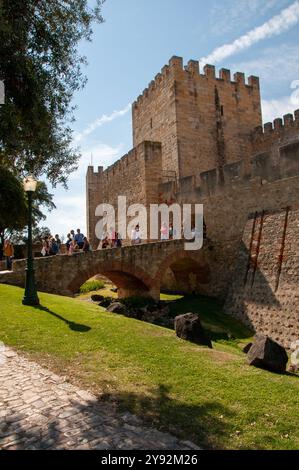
(135, 270)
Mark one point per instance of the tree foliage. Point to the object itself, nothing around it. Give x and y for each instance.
(13, 203)
(13, 207)
(41, 68)
(21, 237)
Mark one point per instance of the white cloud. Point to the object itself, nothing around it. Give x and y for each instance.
(79, 136)
(227, 16)
(70, 214)
(277, 108)
(273, 27)
(71, 204)
(281, 63)
(97, 154)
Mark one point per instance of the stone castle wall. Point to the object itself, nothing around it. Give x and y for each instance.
(213, 150)
(270, 181)
(265, 290)
(202, 121)
(136, 176)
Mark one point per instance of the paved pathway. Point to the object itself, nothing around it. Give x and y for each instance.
(39, 410)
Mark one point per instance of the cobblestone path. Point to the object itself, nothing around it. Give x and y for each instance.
(39, 410)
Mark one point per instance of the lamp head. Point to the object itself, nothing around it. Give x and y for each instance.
(29, 184)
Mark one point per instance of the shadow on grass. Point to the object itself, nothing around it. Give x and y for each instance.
(72, 325)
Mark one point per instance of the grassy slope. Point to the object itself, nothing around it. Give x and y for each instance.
(209, 396)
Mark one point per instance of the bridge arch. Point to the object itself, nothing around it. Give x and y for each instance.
(190, 270)
(130, 280)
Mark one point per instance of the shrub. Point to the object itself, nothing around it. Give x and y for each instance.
(89, 286)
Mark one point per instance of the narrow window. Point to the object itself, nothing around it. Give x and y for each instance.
(151, 123)
(222, 111)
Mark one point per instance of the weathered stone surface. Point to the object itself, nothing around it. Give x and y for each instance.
(117, 307)
(70, 419)
(188, 327)
(136, 270)
(267, 354)
(264, 292)
(215, 149)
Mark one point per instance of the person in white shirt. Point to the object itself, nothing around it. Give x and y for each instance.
(136, 235)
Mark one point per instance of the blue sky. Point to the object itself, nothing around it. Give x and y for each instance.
(258, 37)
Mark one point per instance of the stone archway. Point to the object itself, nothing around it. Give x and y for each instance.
(186, 272)
(130, 280)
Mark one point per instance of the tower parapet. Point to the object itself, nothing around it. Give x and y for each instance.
(202, 119)
(289, 122)
(192, 69)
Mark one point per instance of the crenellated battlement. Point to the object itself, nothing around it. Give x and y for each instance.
(176, 70)
(281, 133)
(278, 126)
(141, 153)
(263, 168)
(92, 172)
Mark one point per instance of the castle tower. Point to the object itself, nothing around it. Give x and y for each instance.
(202, 121)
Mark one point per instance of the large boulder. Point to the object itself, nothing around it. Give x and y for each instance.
(117, 307)
(188, 327)
(267, 354)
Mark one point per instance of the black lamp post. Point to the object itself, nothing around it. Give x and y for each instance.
(30, 296)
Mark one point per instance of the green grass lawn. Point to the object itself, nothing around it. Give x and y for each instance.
(209, 396)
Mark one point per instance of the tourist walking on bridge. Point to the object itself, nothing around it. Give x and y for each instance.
(79, 239)
(136, 235)
(68, 242)
(8, 253)
(58, 241)
(86, 245)
(164, 231)
(46, 247)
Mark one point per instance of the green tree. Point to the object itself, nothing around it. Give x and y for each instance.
(41, 68)
(41, 199)
(38, 234)
(13, 205)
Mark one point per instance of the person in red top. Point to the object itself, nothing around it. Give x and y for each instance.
(8, 253)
